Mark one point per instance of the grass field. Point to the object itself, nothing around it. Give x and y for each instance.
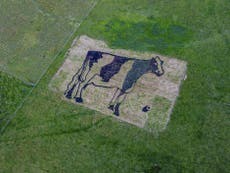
(32, 32)
(50, 135)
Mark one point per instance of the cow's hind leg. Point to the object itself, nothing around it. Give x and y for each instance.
(68, 94)
(81, 78)
(79, 98)
(72, 84)
(76, 81)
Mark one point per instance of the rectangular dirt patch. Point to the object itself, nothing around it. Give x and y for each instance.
(128, 85)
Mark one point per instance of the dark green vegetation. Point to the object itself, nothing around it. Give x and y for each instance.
(12, 93)
(32, 32)
(159, 35)
(49, 134)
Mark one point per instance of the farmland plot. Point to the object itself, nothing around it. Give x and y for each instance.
(32, 32)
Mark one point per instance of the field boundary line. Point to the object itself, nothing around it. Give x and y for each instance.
(45, 71)
(31, 84)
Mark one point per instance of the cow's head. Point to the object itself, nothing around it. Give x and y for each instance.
(157, 66)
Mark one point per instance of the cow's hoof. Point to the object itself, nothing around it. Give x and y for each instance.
(111, 107)
(116, 113)
(116, 109)
(79, 100)
(68, 96)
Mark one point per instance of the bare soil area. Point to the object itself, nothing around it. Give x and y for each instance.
(159, 93)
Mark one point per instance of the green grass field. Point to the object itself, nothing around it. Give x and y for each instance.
(51, 135)
(32, 32)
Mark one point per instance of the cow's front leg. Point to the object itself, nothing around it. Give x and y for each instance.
(112, 103)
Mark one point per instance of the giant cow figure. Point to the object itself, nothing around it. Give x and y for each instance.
(84, 77)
